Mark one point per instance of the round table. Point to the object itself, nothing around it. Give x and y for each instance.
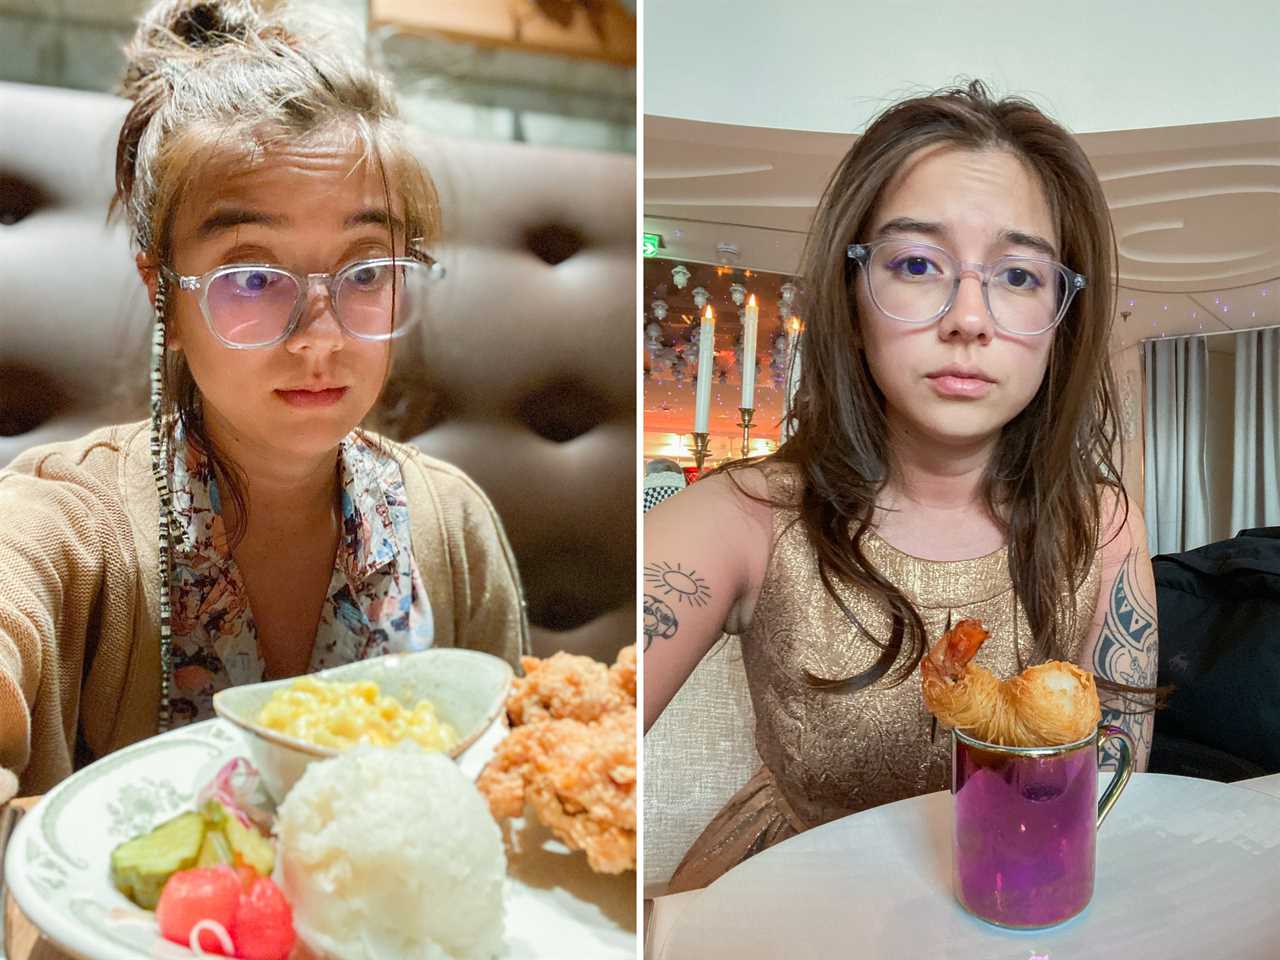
(1186, 868)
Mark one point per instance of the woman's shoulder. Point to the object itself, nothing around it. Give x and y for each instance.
(79, 496)
(1120, 521)
(755, 488)
(736, 508)
(95, 458)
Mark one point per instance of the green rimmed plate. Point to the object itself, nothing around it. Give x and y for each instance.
(57, 866)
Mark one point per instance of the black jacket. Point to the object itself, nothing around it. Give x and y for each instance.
(1219, 610)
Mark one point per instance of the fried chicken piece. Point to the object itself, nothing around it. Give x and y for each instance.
(568, 686)
(571, 755)
(579, 778)
(623, 673)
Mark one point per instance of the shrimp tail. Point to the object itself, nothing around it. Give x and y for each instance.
(958, 693)
(960, 644)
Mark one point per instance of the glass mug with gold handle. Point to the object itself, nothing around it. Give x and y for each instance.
(1026, 825)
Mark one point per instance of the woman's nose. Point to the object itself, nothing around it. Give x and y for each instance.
(968, 318)
(318, 327)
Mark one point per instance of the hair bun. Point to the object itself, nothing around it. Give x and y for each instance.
(204, 23)
(178, 30)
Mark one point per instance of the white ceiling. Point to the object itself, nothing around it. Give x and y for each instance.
(1196, 210)
(1095, 65)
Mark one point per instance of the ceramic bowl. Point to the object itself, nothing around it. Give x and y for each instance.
(469, 690)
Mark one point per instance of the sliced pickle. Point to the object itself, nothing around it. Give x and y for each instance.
(215, 850)
(140, 867)
(249, 847)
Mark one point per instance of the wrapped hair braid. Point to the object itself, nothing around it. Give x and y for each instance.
(160, 470)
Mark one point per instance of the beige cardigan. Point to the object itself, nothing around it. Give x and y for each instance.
(79, 591)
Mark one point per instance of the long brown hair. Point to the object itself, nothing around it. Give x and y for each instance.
(1052, 461)
(214, 83)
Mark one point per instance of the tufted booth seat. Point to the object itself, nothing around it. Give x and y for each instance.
(524, 377)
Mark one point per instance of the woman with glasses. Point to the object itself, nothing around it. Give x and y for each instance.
(950, 457)
(251, 529)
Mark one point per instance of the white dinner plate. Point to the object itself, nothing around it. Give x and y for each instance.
(58, 869)
(1186, 869)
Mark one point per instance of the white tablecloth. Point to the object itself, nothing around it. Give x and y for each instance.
(672, 914)
(1269, 784)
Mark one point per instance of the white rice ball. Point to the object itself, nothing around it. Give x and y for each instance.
(391, 854)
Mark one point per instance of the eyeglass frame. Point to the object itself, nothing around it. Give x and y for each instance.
(202, 282)
(860, 253)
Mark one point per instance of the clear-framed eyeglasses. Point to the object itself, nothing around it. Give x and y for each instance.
(252, 305)
(917, 283)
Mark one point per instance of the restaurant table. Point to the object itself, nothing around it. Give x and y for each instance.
(878, 884)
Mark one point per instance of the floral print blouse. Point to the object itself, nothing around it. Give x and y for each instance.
(376, 601)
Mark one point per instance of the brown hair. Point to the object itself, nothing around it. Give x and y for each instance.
(1052, 460)
(214, 85)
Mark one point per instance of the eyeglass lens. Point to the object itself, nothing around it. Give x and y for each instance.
(912, 282)
(254, 305)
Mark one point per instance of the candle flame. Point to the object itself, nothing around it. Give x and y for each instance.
(708, 314)
(752, 301)
(794, 324)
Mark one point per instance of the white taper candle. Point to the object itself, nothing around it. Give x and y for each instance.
(749, 325)
(706, 364)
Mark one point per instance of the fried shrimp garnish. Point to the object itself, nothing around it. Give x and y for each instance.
(571, 755)
(1048, 705)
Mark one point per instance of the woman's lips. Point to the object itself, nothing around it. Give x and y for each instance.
(312, 398)
(953, 385)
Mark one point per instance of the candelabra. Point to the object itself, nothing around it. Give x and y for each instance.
(701, 446)
(745, 424)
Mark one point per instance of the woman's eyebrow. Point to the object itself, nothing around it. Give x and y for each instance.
(912, 225)
(229, 217)
(934, 229)
(371, 216)
(1021, 239)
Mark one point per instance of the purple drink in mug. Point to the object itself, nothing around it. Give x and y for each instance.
(1026, 822)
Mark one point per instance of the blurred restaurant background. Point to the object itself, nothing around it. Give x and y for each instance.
(1183, 130)
(524, 113)
(552, 72)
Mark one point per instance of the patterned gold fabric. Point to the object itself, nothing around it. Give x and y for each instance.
(829, 754)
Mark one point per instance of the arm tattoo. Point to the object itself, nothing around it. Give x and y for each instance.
(659, 620)
(675, 584)
(1126, 653)
(687, 586)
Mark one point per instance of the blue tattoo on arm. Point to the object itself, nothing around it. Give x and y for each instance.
(1126, 653)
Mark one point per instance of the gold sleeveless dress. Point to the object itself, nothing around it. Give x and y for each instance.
(829, 754)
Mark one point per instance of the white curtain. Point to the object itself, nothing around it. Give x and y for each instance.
(1177, 502)
(1255, 487)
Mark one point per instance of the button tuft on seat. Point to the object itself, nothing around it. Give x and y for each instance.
(18, 199)
(554, 243)
(572, 583)
(562, 410)
(562, 611)
(28, 398)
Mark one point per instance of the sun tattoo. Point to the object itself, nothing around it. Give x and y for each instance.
(685, 584)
